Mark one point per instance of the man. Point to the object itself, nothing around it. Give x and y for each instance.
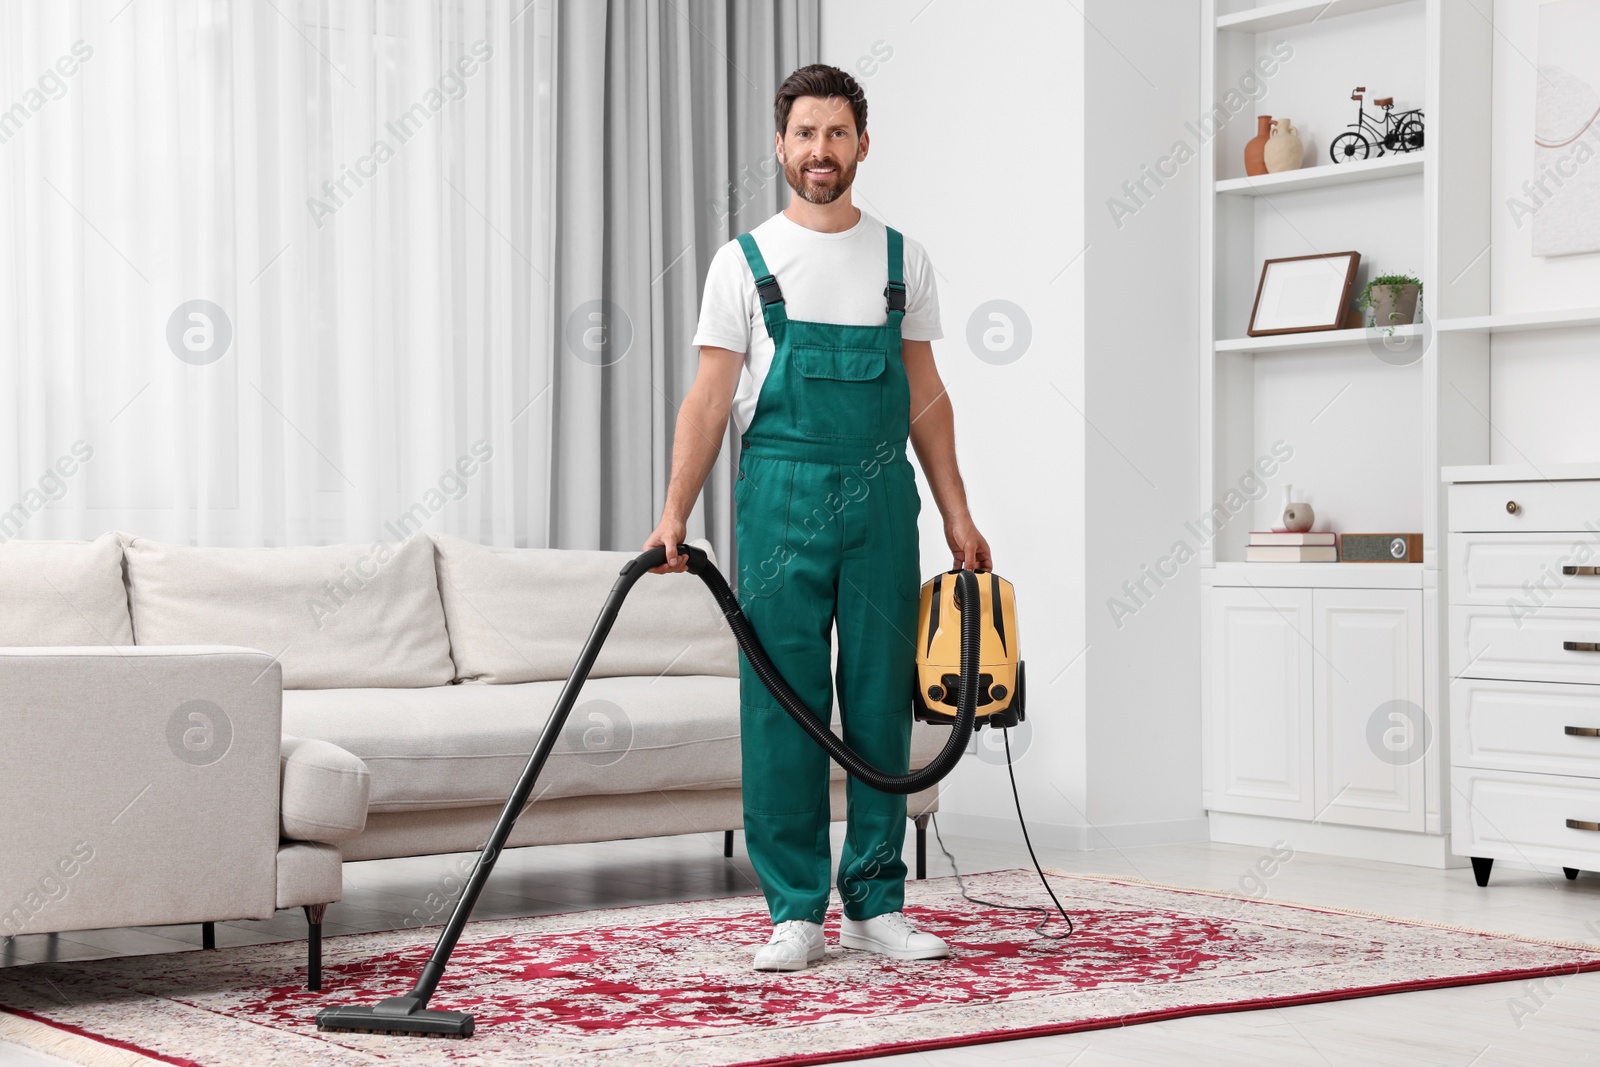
(839, 374)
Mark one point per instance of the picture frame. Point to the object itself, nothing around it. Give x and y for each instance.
(1302, 294)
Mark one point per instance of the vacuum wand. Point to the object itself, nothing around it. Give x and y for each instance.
(410, 1015)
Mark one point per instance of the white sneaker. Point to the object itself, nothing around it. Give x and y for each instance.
(795, 945)
(893, 935)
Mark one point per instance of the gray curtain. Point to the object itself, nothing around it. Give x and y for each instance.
(518, 271)
(664, 153)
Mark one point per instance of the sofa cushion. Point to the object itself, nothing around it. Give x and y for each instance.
(522, 615)
(63, 593)
(465, 745)
(336, 616)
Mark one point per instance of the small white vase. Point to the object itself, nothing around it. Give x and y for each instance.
(1297, 515)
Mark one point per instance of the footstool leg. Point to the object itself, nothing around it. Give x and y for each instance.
(208, 935)
(727, 843)
(314, 913)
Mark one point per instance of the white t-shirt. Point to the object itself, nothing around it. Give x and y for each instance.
(825, 277)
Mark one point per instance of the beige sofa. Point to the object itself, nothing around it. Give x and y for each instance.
(271, 712)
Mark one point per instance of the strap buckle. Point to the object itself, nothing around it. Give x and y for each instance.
(767, 289)
(895, 294)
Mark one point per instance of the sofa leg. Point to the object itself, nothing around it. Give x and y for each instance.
(922, 846)
(208, 935)
(314, 913)
(727, 843)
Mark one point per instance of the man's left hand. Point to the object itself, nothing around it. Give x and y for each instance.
(968, 549)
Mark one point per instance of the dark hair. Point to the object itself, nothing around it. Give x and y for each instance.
(819, 79)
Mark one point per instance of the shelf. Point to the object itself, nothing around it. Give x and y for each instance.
(1316, 575)
(1306, 342)
(1295, 13)
(1521, 321)
(1366, 170)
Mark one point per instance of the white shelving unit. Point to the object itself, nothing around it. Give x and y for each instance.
(1324, 174)
(1298, 658)
(1306, 342)
(1346, 385)
(1294, 13)
(1521, 321)
(1293, 656)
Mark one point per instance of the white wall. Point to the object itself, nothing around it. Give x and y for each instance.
(1046, 441)
(1000, 98)
(1543, 383)
(1141, 280)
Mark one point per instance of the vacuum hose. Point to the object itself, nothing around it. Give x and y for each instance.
(967, 702)
(411, 1015)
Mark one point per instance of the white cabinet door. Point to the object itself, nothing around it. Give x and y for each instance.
(1259, 702)
(1370, 730)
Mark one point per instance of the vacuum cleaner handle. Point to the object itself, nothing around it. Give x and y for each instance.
(434, 968)
(652, 558)
(410, 1014)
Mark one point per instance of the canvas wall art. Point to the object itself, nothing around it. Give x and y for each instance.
(1566, 152)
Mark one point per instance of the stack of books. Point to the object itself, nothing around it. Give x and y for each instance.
(1269, 547)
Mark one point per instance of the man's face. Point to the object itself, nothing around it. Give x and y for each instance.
(820, 150)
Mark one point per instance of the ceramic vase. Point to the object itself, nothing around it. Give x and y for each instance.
(1297, 514)
(1283, 150)
(1254, 163)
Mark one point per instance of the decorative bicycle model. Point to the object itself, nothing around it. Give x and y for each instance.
(1400, 132)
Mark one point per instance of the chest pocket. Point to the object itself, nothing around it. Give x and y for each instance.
(841, 390)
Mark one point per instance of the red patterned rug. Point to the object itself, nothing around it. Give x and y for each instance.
(670, 985)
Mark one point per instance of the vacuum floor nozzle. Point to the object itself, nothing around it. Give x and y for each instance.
(399, 1016)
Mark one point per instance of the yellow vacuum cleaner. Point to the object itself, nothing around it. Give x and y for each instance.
(1000, 679)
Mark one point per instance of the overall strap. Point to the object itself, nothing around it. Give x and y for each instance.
(766, 286)
(895, 291)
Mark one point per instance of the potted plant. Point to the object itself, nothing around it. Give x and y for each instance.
(1394, 300)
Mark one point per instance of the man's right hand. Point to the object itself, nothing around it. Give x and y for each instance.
(671, 533)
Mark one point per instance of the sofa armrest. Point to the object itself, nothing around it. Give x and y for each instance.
(324, 792)
(138, 785)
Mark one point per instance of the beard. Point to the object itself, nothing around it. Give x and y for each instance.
(815, 192)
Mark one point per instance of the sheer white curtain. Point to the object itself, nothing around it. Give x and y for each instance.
(300, 272)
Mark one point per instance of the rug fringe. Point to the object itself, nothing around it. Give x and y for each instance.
(1586, 946)
(46, 1039)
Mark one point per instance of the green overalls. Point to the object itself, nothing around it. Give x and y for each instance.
(826, 511)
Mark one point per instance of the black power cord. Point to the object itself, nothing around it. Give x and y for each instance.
(1039, 929)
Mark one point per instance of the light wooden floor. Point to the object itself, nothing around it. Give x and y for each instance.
(1496, 1025)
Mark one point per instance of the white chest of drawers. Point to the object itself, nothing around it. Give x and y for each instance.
(1524, 654)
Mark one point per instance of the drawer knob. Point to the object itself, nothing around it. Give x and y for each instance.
(1512, 507)
(1580, 824)
(1580, 646)
(1583, 731)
